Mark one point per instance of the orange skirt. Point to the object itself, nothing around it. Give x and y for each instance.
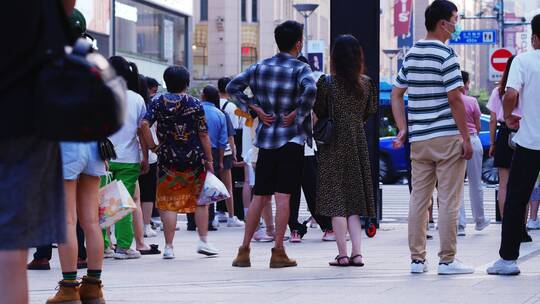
(178, 191)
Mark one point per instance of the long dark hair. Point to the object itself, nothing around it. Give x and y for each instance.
(504, 79)
(143, 89)
(347, 63)
(128, 71)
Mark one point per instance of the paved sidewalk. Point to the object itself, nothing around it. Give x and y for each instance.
(191, 278)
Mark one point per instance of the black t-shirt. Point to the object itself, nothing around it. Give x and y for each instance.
(30, 29)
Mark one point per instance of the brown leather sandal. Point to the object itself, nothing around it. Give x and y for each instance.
(337, 262)
(353, 263)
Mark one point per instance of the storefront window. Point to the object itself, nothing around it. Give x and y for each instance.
(249, 57)
(147, 32)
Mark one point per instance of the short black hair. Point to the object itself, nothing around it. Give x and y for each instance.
(222, 84)
(535, 25)
(151, 82)
(465, 76)
(437, 11)
(288, 34)
(211, 94)
(176, 78)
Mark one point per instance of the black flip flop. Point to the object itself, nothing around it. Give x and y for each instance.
(352, 263)
(153, 250)
(336, 262)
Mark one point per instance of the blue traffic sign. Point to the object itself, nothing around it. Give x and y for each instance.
(476, 37)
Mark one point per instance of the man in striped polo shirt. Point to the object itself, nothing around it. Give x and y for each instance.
(437, 130)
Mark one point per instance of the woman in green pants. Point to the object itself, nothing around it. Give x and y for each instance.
(128, 165)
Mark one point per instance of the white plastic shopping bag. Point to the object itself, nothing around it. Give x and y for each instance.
(115, 203)
(213, 191)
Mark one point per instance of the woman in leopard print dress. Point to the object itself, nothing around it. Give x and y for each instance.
(345, 189)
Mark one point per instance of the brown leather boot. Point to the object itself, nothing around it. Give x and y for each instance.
(90, 291)
(242, 259)
(280, 259)
(68, 293)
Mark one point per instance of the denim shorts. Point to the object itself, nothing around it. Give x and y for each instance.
(81, 158)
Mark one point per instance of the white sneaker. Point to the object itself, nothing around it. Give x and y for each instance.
(431, 225)
(168, 252)
(126, 254)
(206, 249)
(504, 267)
(234, 222)
(456, 267)
(482, 226)
(461, 231)
(222, 217)
(108, 253)
(532, 224)
(418, 266)
(261, 236)
(215, 223)
(149, 232)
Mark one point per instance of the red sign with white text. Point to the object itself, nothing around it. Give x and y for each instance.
(402, 17)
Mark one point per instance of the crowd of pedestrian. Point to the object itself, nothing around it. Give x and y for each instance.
(292, 134)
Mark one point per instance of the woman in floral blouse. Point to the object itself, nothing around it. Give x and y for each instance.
(184, 156)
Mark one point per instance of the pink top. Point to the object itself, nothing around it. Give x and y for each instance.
(472, 112)
(495, 105)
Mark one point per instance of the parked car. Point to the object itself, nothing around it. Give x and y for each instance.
(393, 163)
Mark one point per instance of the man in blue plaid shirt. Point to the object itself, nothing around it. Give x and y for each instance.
(284, 92)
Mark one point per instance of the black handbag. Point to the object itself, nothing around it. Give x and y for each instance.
(79, 96)
(324, 129)
(106, 149)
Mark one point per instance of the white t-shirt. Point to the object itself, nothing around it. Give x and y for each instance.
(249, 151)
(524, 77)
(230, 109)
(125, 141)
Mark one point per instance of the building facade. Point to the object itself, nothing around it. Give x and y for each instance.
(230, 35)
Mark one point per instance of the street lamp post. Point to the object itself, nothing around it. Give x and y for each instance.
(391, 54)
(305, 10)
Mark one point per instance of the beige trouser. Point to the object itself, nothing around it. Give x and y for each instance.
(436, 160)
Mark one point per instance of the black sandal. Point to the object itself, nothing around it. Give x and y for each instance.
(353, 263)
(153, 250)
(337, 263)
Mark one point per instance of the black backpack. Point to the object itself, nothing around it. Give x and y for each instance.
(79, 97)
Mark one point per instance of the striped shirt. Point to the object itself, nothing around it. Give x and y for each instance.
(430, 70)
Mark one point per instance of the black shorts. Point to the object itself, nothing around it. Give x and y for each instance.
(227, 161)
(148, 184)
(279, 170)
(503, 152)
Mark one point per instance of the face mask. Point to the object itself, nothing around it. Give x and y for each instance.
(457, 31)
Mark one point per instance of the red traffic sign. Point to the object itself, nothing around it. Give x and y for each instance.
(499, 59)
